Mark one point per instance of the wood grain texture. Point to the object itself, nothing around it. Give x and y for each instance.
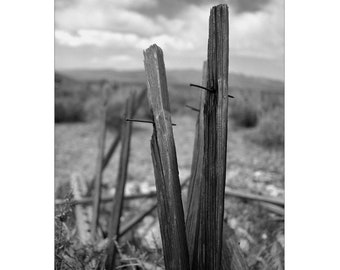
(208, 231)
(215, 140)
(232, 255)
(99, 163)
(195, 185)
(170, 208)
(114, 222)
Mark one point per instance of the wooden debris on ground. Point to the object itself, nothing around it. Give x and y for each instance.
(83, 213)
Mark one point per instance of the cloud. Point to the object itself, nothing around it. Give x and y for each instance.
(113, 28)
(102, 38)
(106, 15)
(100, 23)
(241, 6)
(172, 8)
(61, 4)
(259, 34)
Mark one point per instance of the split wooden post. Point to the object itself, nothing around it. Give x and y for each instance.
(170, 207)
(114, 222)
(196, 149)
(208, 232)
(99, 163)
(194, 191)
(232, 257)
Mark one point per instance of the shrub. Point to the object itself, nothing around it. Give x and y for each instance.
(180, 95)
(272, 101)
(116, 107)
(270, 133)
(114, 115)
(244, 114)
(68, 110)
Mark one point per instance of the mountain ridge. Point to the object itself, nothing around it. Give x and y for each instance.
(174, 76)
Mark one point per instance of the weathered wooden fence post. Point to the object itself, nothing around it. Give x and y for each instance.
(99, 163)
(170, 208)
(114, 222)
(215, 121)
(205, 227)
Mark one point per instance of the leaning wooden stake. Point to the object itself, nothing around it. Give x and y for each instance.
(116, 141)
(99, 164)
(114, 222)
(170, 208)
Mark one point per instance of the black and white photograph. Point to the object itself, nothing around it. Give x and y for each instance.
(169, 134)
(165, 135)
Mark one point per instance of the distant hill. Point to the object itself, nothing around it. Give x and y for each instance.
(174, 77)
(66, 83)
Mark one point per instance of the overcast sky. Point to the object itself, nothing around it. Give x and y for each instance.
(114, 33)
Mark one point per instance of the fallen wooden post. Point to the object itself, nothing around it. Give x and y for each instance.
(99, 163)
(254, 197)
(82, 213)
(133, 222)
(107, 198)
(273, 208)
(114, 222)
(152, 194)
(170, 207)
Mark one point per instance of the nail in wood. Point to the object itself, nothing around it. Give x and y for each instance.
(208, 89)
(192, 108)
(142, 121)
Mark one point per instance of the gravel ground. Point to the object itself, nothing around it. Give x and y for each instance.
(250, 167)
